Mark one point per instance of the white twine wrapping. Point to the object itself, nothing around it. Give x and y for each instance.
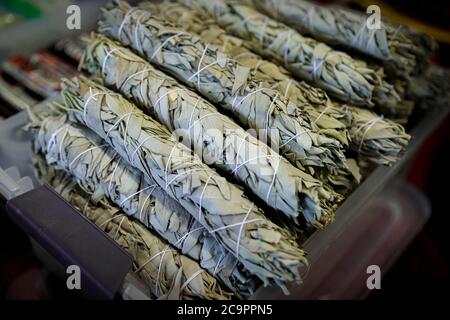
(200, 65)
(105, 59)
(83, 153)
(113, 175)
(295, 137)
(145, 202)
(136, 193)
(369, 124)
(239, 224)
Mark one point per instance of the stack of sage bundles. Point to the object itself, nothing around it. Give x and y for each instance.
(348, 79)
(100, 170)
(403, 50)
(169, 275)
(176, 90)
(269, 252)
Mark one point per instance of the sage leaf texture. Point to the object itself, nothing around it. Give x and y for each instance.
(404, 50)
(214, 137)
(101, 171)
(379, 140)
(331, 121)
(350, 80)
(225, 82)
(266, 250)
(168, 274)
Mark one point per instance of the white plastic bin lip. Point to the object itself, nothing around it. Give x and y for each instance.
(12, 185)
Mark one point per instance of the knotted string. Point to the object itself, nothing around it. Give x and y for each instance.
(52, 139)
(166, 171)
(110, 219)
(145, 202)
(92, 97)
(322, 113)
(216, 269)
(369, 124)
(358, 38)
(141, 145)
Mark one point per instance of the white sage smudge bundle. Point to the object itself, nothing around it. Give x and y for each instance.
(431, 89)
(99, 169)
(343, 181)
(380, 140)
(168, 274)
(404, 50)
(223, 81)
(266, 250)
(331, 121)
(400, 114)
(343, 77)
(216, 138)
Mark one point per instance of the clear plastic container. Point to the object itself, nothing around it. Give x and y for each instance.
(373, 225)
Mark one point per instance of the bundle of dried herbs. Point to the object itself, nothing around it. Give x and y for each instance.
(99, 169)
(266, 250)
(343, 181)
(169, 275)
(380, 140)
(223, 81)
(216, 138)
(331, 121)
(400, 114)
(431, 89)
(404, 50)
(343, 77)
